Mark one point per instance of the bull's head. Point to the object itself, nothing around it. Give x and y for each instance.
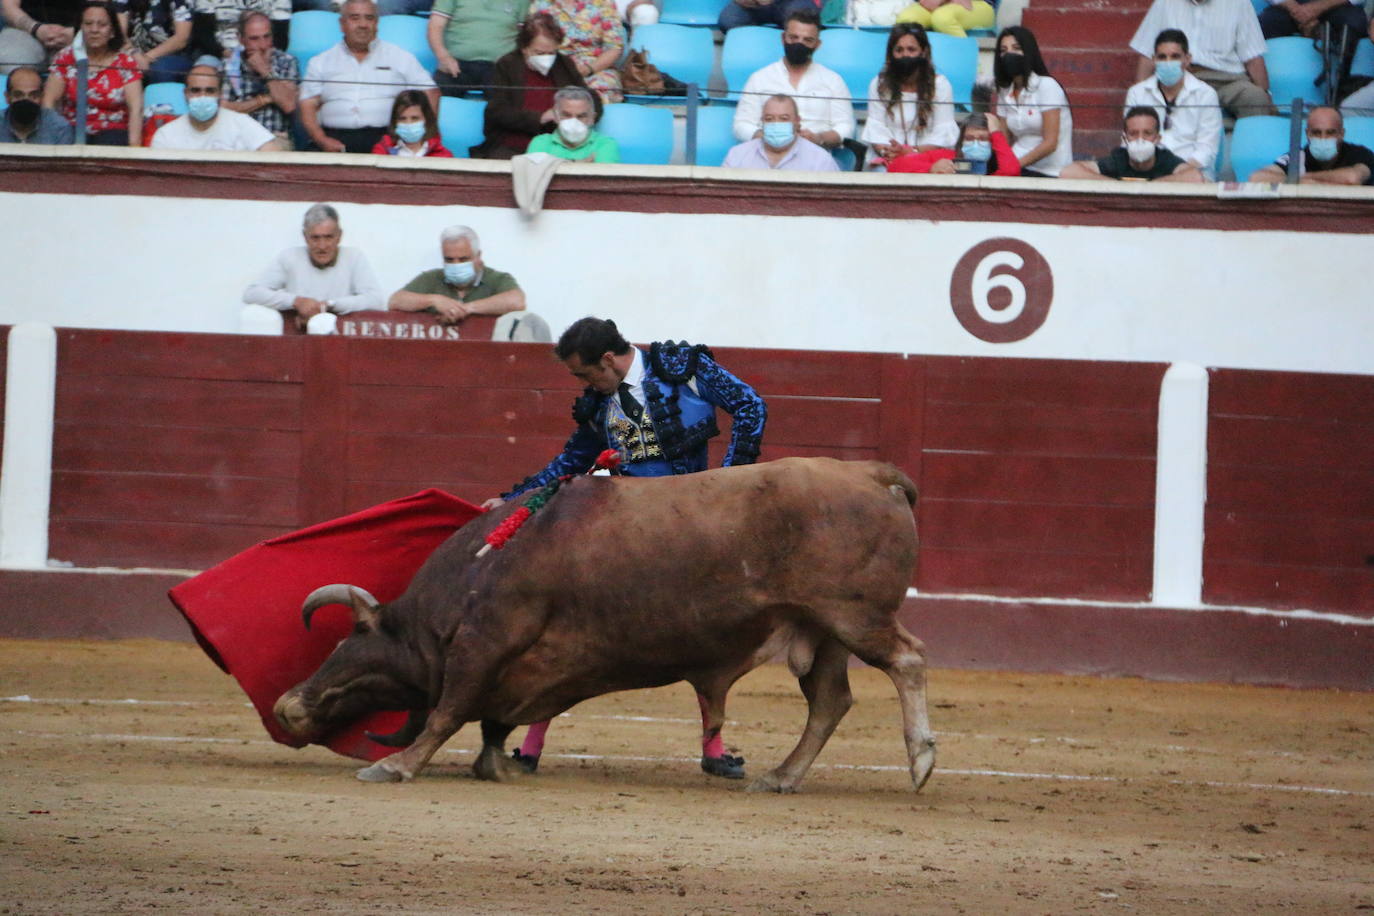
(367, 672)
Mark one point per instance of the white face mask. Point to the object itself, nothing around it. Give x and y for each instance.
(573, 131)
(1140, 150)
(541, 63)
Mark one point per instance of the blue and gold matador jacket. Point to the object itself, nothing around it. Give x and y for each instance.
(683, 386)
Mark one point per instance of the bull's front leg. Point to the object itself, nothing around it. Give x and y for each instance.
(442, 724)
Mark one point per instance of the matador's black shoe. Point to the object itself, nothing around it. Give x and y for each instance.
(724, 766)
(528, 764)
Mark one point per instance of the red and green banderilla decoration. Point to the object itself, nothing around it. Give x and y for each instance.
(608, 460)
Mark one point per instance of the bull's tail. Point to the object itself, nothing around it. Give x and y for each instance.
(893, 478)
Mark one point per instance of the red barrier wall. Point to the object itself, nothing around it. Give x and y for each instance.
(177, 450)
(1290, 491)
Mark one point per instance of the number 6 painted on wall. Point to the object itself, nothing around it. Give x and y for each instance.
(1001, 290)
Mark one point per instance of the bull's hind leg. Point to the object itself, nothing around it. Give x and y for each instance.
(492, 763)
(902, 657)
(826, 687)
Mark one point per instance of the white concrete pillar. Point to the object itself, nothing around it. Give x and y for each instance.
(1180, 486)
(26, 473)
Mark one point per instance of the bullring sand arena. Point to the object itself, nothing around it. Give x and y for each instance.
(137, 779)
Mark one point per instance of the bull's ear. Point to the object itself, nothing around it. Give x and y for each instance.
(364, 608)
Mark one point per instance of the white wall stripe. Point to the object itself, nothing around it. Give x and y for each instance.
(26, 471)
(1180, 486)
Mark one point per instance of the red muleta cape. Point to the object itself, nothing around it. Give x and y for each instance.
(246, 612)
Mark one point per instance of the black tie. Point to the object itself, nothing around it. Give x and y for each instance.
(632, 408)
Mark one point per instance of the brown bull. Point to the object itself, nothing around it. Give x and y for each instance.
(621, 583)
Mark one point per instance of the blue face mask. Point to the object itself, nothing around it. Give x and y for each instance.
(1324, 149)
(411, 131)
(1169, 72)
(459, 273)
(202, 107)
(977, 150)
(778, 134)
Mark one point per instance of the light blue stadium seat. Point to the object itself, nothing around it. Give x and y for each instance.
(856, 56)
(409, 32)
(1294, 64)
(1361, 131)
(957, 60)
(691, 12)
(645, 133)
(746, 49)
(173, 94)
(461, 124)
(684, 53)
(1257, 142)
(312, 31)
(4, 82)
(1363, 64)
(1259, 5)
(715, 133)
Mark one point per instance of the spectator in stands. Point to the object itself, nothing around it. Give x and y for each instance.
(114, 95)
(1327, 158)
(950, 17)
(463, 286)
(35, 30)
(260, 80)
(1360, 103)
(414, 131)
(215, 24)
(26, 120)
(521, 104)
(781, 143)
(1138, 158)
(910, 106)
(761, 12)
(160, 35)
(983, 149)
(208, 126)
(468, 37)
(576, 136)
(1187, 107)
(1346, 18)
(827, 114)
(384, 7)
(1032, 105)
(594, 38)
(316, 282)
(349, 89)
(1229, 49)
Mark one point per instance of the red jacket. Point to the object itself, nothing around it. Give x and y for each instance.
(387, 146)
(1003, 162)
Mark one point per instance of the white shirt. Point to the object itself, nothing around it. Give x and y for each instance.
(359, 93)
(231, 130)
(1222, 34)
(900, 125)
(1024, 117)
(1194, 124)
(348, 282)
(822, 100)
(802, 156)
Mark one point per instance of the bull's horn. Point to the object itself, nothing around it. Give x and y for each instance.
(406, 734)
(350, 595)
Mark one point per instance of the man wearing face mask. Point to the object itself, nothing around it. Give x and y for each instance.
(823, 102)
(781, 146)
(1327, 158)
(1139, 158)
(1187, 107)
(207, 126)
(575, 136)
(1229, 49)
(26, 121)
(463, 286)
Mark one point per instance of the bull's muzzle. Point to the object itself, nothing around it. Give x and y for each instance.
(291, 715)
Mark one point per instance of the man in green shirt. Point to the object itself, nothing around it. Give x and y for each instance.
(469, 36)
(463, 286)
(575, 137)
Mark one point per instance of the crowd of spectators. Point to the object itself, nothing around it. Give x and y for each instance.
(549, 67)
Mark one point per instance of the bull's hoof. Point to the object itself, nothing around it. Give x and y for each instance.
(493, 765)
(724, 766)
(770, 782)
(923, 766)
(379, 773)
